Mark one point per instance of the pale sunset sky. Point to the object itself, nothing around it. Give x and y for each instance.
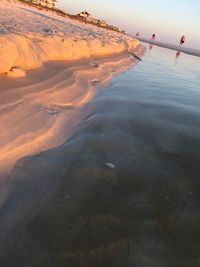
(169, 19)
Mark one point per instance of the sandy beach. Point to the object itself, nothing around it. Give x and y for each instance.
(99, 142)
(40, 111)
(36, 107)
(123, 189)
(30, 37)
(50, 68)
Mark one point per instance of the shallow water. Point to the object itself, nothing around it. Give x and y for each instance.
(124, 189)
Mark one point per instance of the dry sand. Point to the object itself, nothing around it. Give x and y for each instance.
(30, 37)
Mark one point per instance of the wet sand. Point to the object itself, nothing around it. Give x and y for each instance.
(39, 111)
(123, 190)
(69, 208)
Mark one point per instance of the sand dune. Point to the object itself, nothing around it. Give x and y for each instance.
(39, 111)
(41, 115)
(29, 37)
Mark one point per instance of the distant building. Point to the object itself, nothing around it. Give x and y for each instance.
(44, 3)
(103, 23)
(114, 28)
(85, 15)
(96, 21)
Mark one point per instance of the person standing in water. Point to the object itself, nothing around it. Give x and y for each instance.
(137, 34)
(182, 41)
(153, 37)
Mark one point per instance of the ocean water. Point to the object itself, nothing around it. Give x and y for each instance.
(125, 186)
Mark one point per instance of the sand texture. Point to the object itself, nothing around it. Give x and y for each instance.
(30, 37)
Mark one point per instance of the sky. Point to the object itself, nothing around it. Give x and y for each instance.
(169, 19)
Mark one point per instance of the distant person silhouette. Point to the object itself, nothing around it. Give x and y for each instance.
(153, 37)
(182, 41)
(137, 34)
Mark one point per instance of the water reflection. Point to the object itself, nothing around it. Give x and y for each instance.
(178, 53)
(177, 56)
(149, 49)
(151, 46)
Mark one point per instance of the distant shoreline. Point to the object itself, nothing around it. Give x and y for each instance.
(185, 50)
(76, 17)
